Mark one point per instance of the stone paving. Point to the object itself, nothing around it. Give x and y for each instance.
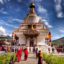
(31, 60)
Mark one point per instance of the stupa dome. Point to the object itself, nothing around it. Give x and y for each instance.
(32, 16)
(32, 19)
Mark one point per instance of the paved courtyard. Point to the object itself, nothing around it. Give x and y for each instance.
(31, 60)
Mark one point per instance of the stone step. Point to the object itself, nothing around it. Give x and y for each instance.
(31, 60)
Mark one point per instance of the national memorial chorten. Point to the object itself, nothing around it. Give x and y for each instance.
(33, 32)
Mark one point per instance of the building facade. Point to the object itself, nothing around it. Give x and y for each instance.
(33, 32)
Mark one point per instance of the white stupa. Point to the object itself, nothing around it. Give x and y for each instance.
(33, 32)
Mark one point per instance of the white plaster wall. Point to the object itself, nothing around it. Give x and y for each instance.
(42, 45)
(28, 42)
(22, 39)
(35, 42)
(41, 39)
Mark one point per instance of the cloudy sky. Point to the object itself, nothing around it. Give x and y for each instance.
(13, 12)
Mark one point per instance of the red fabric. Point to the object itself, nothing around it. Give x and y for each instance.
(0, 48)
(26, 54)
(19, 54)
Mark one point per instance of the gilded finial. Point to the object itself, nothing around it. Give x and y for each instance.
(32, 5)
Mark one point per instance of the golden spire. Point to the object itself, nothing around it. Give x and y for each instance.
(32, 8)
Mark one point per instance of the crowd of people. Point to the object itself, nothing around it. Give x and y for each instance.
(6, 48)
(20, 51)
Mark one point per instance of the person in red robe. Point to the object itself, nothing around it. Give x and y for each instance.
(19, 54)
(25, 54)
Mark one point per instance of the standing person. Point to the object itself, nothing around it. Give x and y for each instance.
(33, 49)
(36, 51)
(11, 61)
(52, 49)
(25, 54)
(49, 50)
(39, 57)
(19, 54)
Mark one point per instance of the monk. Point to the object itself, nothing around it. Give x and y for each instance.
(25, 54)
(19, 54)
(40, 58)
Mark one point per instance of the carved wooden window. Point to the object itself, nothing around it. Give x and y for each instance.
(29, 26)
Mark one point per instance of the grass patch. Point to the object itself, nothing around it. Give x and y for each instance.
(6, 58)
(52, 59)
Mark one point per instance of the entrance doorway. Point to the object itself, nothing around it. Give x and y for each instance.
(31, 42)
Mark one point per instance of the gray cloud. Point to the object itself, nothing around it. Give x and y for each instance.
(58, 8)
